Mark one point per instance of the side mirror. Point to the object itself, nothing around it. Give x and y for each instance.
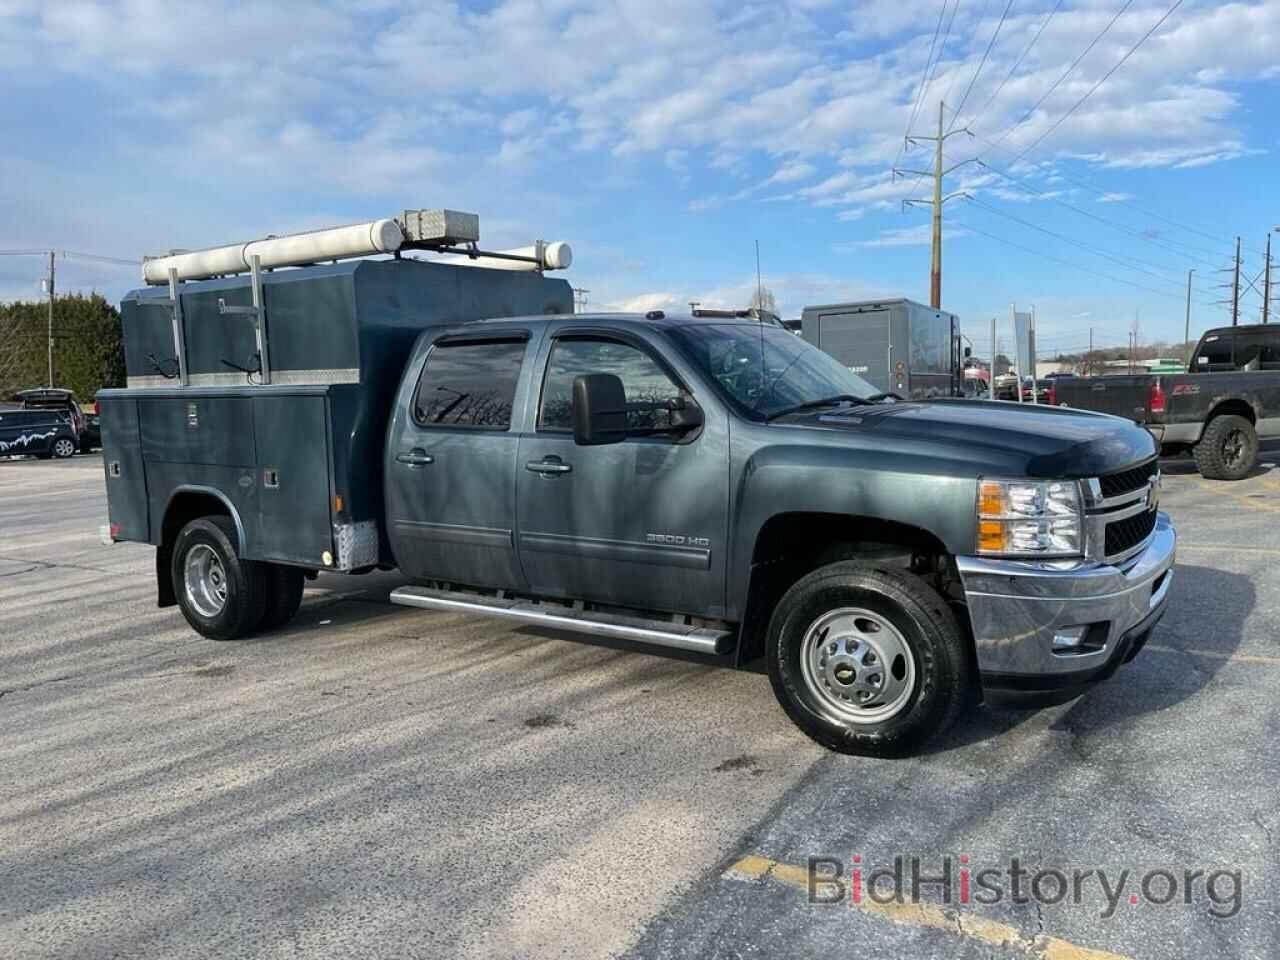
(599, 408)
(968, 352)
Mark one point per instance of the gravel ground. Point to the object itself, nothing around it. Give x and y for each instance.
(382, 782)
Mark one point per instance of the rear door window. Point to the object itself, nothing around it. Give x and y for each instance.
(469, 384)
(1257, 351)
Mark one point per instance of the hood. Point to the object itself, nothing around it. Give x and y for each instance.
(1047, 441)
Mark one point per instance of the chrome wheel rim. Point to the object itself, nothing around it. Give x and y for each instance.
(206, 580)
(858, 665)
(64, 448)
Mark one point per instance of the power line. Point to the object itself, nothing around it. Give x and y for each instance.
(1103, 192)
(941, 49)
(1117, 258)
(1074, 63)
(981, 63)
(75, 254)
(1119, 63)
(1017, 63)
(943, 46)
(1068, 263)
(924, 83)
(100, 258)
(1016, 182)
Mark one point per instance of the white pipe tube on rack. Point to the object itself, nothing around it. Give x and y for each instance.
(554, 256)
(359, 240)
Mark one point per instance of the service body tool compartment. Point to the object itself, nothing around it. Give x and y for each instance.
(264, 453)
(291, 439)
(123, 465)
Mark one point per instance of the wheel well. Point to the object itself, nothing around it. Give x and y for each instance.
(1236, 406)
(184, 507)
(790, 545)
(820, 538)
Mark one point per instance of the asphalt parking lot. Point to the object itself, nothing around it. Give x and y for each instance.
(376, 781)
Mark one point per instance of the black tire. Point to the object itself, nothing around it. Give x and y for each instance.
(284, 595)
(1228, 448)
(63, 447)
(244, 581)
(943, 678)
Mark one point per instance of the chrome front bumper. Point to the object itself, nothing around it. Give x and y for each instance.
(1017, 607)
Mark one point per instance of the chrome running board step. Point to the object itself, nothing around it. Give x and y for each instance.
(660, 633)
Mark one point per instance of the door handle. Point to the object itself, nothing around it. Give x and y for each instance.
(416, 457)
(547, 467)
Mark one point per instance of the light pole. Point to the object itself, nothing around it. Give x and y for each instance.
(1186, 330)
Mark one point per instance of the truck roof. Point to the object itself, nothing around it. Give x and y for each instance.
(654, 318)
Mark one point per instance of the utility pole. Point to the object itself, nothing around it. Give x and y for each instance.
(580, 299)
(51, 256)
(1186, 328)
(938, 174)
(1235, 289)
(1088, 363)
(991, 379)
(1266, 282)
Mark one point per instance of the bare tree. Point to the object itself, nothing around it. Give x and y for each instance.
(763, 299)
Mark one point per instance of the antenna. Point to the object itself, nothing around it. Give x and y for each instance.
(764, 370)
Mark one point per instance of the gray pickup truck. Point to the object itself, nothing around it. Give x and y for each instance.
(709, 485)
(1218, 410)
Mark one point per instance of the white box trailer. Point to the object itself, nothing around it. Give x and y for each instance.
(899, 346)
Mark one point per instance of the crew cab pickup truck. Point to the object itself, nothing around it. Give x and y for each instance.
(1218, 410)
(709, 485)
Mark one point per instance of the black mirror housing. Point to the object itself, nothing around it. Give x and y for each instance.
(599, 408)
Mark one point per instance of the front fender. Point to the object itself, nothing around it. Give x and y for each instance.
(820, 479)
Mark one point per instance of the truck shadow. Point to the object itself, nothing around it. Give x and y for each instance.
(1188, 468)
(1200, 631)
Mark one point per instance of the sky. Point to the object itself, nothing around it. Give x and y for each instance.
(662, 139)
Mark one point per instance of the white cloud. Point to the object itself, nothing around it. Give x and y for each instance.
(791, 172)
(1114, 196)
(920, 235)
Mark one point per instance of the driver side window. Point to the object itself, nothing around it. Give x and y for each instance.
(642, 379)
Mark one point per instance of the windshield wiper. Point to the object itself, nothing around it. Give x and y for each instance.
(814, 404)
(888, 395)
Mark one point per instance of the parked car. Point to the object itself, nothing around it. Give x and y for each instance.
(1228, 399)
(717, 486)
(42, 432)
(85, 424)
(1045, 391)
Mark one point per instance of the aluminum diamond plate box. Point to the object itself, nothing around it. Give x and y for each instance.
(440, 226)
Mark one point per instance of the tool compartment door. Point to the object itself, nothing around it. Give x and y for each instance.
(125, 474)
(291, 446)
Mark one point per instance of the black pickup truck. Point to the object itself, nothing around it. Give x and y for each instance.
(711, 485)
(1218, 410)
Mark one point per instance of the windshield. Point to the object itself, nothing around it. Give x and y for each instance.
(766, 370)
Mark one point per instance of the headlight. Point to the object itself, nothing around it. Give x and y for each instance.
(1030, 518)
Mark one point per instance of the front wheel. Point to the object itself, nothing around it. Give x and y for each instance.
(867, 660)
(222, 596)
